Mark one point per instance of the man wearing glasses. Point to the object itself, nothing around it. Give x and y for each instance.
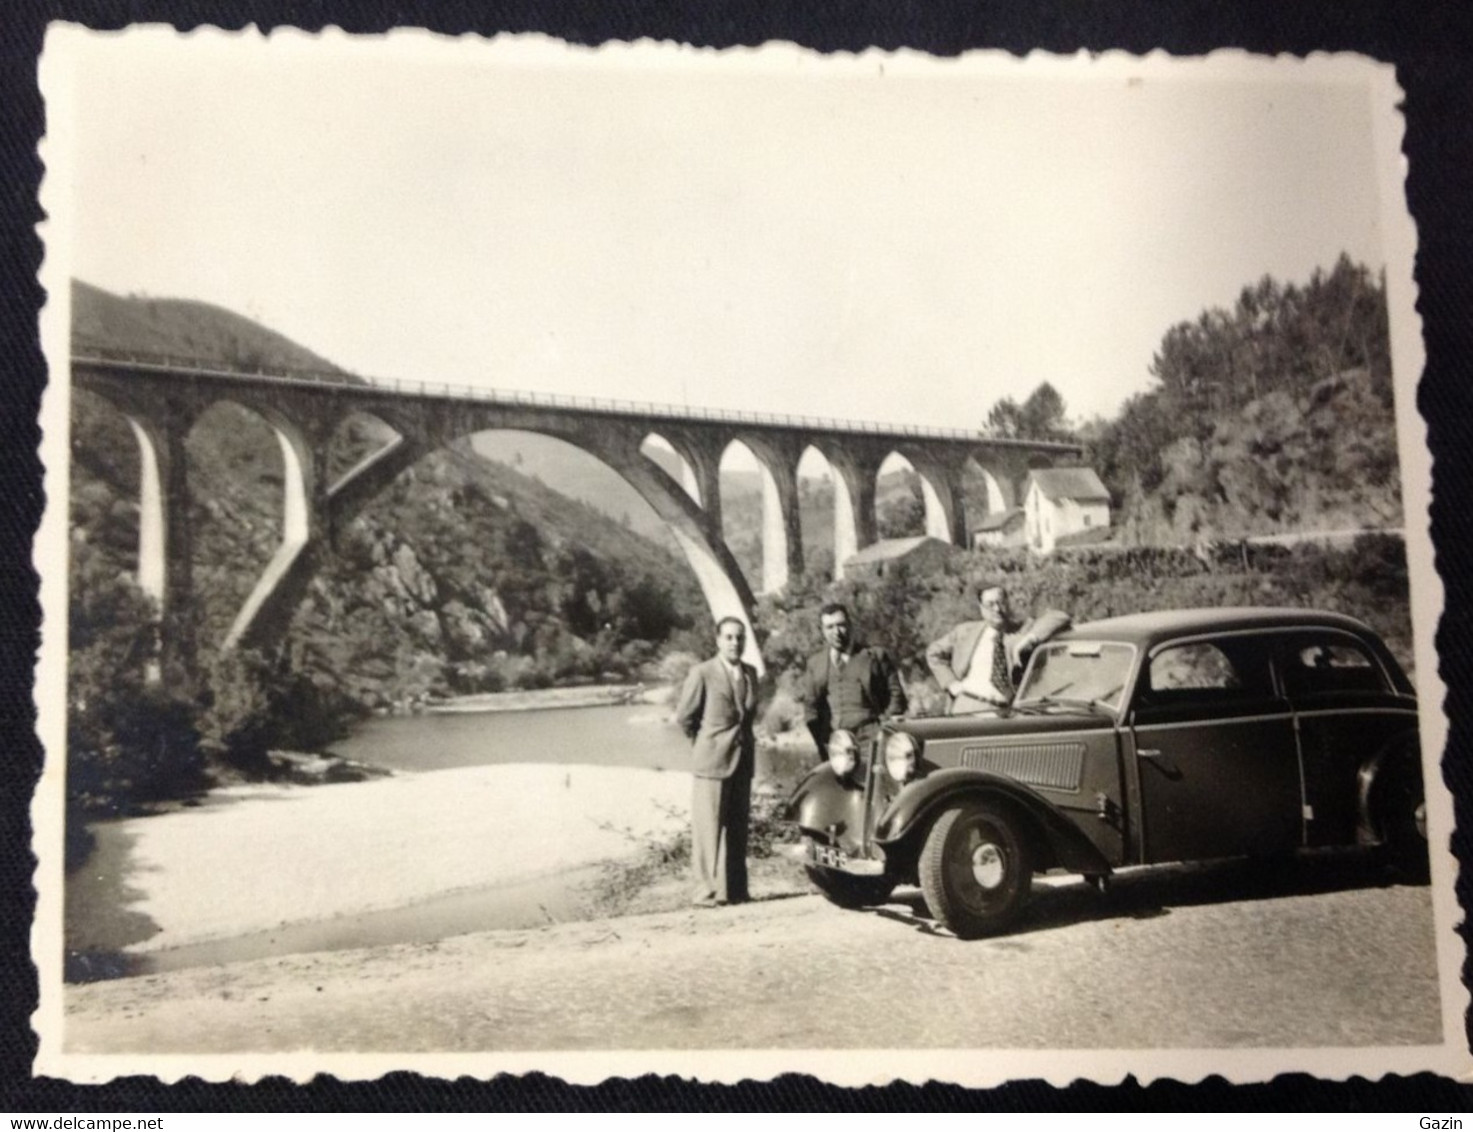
(978, 663)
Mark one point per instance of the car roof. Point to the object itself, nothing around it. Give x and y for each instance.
(1149, 628)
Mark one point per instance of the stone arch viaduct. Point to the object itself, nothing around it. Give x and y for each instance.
(162, 399)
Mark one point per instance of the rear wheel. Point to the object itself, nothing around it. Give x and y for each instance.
(1403, 817)
(848, 891)
(975, 869)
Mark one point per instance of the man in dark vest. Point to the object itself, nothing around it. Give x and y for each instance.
(848, 686)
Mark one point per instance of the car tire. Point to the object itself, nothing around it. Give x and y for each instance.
(1403, 818)
(976, 869)
(850, 891)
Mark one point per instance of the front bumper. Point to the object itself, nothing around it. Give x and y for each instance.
(814, 854)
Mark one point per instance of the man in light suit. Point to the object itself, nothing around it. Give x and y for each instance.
(978, 663)
(717, 708)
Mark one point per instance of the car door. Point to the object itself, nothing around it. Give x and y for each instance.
(1347, 710)
(1215, 753)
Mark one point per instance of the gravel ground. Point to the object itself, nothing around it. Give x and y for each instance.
(1202, 958)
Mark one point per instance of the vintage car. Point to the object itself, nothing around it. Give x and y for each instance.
(1149, 738)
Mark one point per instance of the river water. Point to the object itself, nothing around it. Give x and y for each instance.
(100, 925)
(622, 735)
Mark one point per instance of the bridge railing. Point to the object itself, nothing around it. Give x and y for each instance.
(203, 367)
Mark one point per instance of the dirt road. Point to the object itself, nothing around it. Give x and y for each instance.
(1192, 958)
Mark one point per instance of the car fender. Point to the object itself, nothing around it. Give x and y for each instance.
(822, 801)
(919, 803)
(1401, 751)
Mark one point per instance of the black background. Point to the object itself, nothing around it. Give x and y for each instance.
(1431, 45)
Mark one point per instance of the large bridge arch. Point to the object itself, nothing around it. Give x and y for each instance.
(721, 582)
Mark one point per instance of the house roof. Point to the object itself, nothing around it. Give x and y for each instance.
(998, 520)
(1069, 483)
(889, 549)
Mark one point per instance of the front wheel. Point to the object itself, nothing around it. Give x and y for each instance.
(849, 891)
(975, 869)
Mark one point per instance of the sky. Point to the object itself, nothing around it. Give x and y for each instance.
(884, 238)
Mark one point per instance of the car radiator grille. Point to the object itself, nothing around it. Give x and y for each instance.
(1056, 766)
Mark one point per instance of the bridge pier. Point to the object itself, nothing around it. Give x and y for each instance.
(941, 494)
(269, 608)
(165, 536)
(1009, 471)
(153, 519)
(782, 526)
(706, 466)
(782, 557)
(854, 504)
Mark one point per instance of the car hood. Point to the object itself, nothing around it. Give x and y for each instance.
(1015, 723)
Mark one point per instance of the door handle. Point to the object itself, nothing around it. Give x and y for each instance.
(1148, 752)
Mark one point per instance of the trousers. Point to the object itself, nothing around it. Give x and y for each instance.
(719, 812)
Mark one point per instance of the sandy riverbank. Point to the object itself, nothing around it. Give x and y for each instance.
(260, 856)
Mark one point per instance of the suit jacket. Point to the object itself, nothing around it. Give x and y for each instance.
(879, 687)
(950, 656)
(719, 728)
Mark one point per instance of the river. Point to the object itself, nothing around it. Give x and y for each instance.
(107, 928)
(620, 735)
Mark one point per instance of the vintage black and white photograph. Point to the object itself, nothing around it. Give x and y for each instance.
(642, 559)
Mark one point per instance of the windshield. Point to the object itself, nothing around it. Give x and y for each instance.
(1077, 671)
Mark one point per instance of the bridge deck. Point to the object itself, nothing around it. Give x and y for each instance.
(445, 391)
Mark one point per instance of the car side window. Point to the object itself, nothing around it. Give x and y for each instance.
(1330, 664)
(1207, 671)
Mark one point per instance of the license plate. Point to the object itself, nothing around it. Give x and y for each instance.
(826, 855)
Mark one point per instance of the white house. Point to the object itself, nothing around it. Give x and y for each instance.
(1001, 528)
(1061, 502)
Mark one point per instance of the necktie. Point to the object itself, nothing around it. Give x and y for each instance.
(1002, 677)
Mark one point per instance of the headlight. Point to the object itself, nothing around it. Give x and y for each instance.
(901, 752)
(843, 753)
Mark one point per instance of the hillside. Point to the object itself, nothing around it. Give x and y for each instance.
(183, 328)
(464, 575)
(1272, 416)
(467, 576)
(577, 475)
(1322, 460)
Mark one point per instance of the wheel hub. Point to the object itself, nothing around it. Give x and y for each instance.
(988, 866)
